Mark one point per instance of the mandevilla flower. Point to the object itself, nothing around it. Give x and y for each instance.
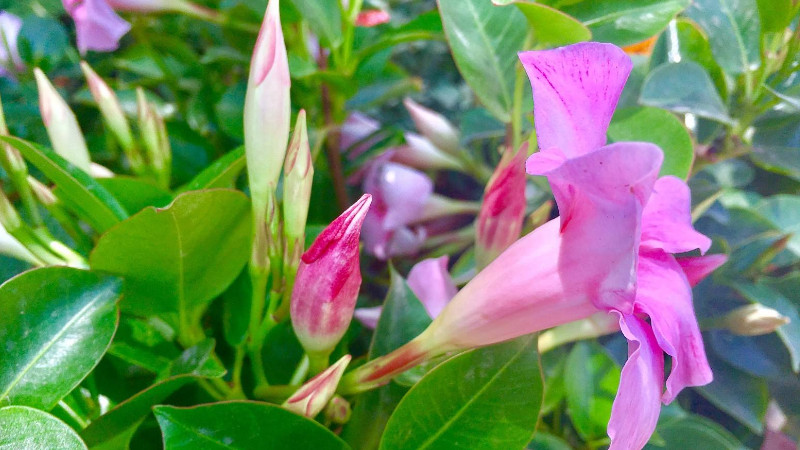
(503, 208)
(327, 283)
(312, 397)
(610, 250)
(10, 60)
(433, 126)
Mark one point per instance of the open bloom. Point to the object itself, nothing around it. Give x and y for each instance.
(610, 250)
(328, 281)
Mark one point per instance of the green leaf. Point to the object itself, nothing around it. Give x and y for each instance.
(222, 173)
(684, 87)
(784, 212)
(487, 398)
(737, 393)
(177, 259)
(27, 428)
(780, 160)
(624, 22)
(544, 441)
(485, 40)
(551, 27)
(135, 194)
(591, 378)
(696, 432)
(647, 124)
(733, 30)
(246, 425)
(325, 19)
(55, 325)
(81, 192)
(775, 15)
(402, 319)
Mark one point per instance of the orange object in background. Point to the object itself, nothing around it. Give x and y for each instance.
(641, 48)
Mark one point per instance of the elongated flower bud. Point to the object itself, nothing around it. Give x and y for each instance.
(62, 126)
(503, 209)
(422, 154)
(155, 139)
(113, 115)
(298, 173)
(328, 281)
(433, 126)
(754, 320)
(312, 397)
(267, 110)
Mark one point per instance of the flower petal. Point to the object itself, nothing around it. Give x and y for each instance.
(698, 267)
(667, 219)
(636, 408)
(600, 197)
(664, 294)
(403, 190)
(431, 283)
(575, 91)
(98, 27)
(368, 316)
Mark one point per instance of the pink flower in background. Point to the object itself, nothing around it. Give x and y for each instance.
(98, 27)
(431, 283)
(372, 18)
(354, 134)
(10, 60)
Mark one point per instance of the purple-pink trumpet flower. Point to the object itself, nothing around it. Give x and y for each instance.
(610, 250)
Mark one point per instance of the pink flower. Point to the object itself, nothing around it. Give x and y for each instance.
(372, 18)
(328, 281)
(503, 208)
(430, 281)
(10, 60)
(98, 27)
(354, 134)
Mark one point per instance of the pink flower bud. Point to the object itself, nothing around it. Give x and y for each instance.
(433, 126)
(267, 110)
(111, 109)
(98, 27)
(372, 18)
(62, 126)
(422, 154)
(312, 397)
(355, 132)
(503, 208)
(10, 60)
(328, 281)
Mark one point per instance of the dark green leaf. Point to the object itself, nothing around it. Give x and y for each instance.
(696, 432)
(784, 212)
(739, 394)
(733, 30)
(660, 127)
(55, 325)
(90, 200)
(176, 260)
(591, 379)
(487, 398)
(30, 429)
(485, 40)
(684, 87)
(623, 22)
(246, 425)
(325, 19)
(222, 173)
(544, 441)
(402, 319)
(551, 27)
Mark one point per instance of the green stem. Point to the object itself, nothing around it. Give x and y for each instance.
(274, 394)
(317, 362)
(516, 106)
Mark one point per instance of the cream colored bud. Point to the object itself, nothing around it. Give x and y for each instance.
(754, 320)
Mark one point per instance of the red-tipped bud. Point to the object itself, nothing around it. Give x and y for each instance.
(433, 126)
(503, 209)
(312, 397)
(328, 281)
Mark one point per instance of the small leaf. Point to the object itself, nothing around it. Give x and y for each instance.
(647, 124)
(684, 87)
(325, 19)
(624, 22)
(551, 27)
(28, 428)
(55, 325)
(222, 173)
(177, 259)
(487, 398)
(733, 30)
(591, 378)
(485, 40)
(245, 425)
(86, 196)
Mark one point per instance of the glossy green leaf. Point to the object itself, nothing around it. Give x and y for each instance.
(485, 39)
(86, 196)
(647, 124)
(784, 212)
(402, 319)
(222, 173)
(177, 259)
(551, 27)
(733, 30)
(487, 398)
(696, 432)
(591, 379)
(684, 87)
(781, 160)
(775, 15)
(55, 325)
(739, 394)
(135, 194)
(31, 429)
(624, 22)
(246, 425)
(325, 19)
